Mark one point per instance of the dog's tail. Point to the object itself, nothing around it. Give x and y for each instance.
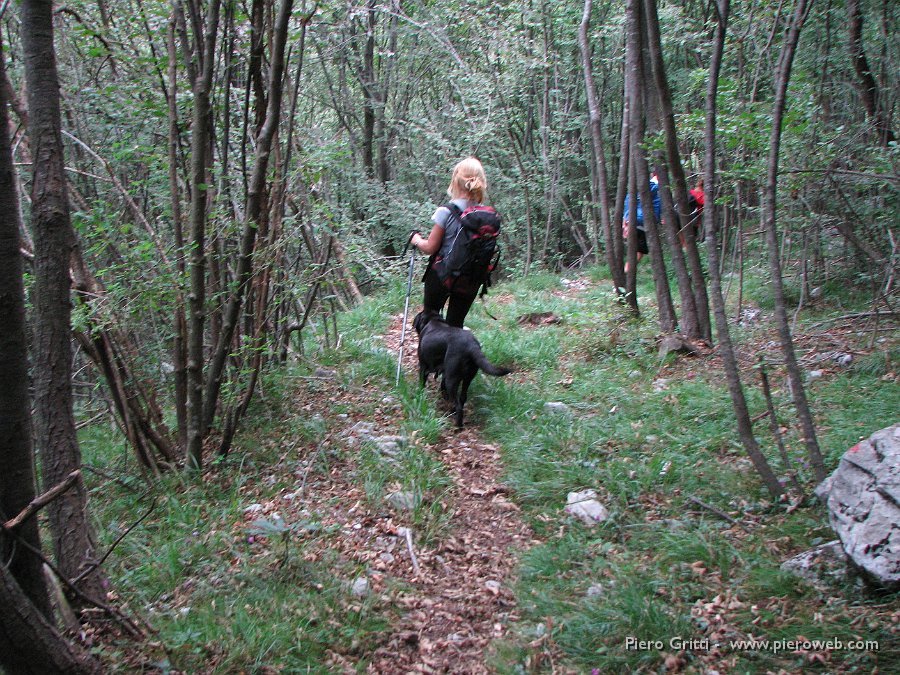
(488, 367)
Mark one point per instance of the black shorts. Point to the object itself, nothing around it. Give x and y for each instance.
(641, 241)
(461, 297)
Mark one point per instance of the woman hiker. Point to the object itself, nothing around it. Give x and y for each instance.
(468, 187)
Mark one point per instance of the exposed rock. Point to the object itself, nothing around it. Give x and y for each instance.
(360, 587)
(863, 499)
(557, 408)
(843, 360)
(584, 506)
(538, 319)
(403, 501)
(750, 315)
(660, 384)
(594, 591)
(675, 343)
(821, 566)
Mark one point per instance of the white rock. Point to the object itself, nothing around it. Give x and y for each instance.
(584, 506)
(360, 587)
(557, 407)
(594, 591)
(863, 500)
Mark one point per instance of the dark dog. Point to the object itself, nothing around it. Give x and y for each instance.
(455, 353)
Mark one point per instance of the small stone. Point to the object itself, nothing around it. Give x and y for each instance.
(844, 360)
(594, 591)
(254, 508)
(403, 501)
(557, 408)
(815, 374)
(584, 506)
(360, 587)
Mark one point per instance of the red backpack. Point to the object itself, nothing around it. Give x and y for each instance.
(469, 252)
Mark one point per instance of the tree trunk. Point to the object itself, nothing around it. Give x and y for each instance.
(687, 323)
(254, 214)
(696, 283)
(596, 125)
(17, 483)
(634, 92)
(197, 299)
(29, 644)
(784, 331)
(179, 351)
(726, 349)
(53, 243)
(868, 88)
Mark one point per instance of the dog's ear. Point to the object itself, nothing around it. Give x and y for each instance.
(417, 322)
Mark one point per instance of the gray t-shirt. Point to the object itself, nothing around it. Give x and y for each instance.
(442, 214)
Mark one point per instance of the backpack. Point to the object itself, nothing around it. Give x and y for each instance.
(467, 256)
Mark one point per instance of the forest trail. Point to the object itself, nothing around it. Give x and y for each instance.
(461, 599)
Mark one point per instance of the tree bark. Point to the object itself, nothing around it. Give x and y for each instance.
(596, 126)
(868, 88)
(729, 359)
(696, 283)
(17, 480)
(53, 243)
(197, 299)
(771, 191)
(179, 351)
(634, 92)
(29, 644)
(254, 214)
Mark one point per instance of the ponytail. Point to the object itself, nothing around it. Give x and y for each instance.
(469, 181)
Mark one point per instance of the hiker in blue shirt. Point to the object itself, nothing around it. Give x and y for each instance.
(640, 232)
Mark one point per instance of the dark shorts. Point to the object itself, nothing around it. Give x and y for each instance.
(641, 241)
(461, 297)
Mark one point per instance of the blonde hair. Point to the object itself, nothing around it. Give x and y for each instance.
(468, 181)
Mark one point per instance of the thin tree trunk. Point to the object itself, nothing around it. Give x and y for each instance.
(784, 332)
(699, 307)
(596, 125)
(622, 187)
(179, 352)
(254, 214)
(197, 298)
(634, 91)
(53, 243)
(729, 359)
(868, 88)
(17, 480)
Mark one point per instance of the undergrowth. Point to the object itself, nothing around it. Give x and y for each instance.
(655, 440)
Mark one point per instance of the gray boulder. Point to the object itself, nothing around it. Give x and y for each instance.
(823, 566)
(863, 500)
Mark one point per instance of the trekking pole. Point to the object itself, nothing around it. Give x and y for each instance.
(412, 264)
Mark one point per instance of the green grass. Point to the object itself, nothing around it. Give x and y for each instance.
(648, 437)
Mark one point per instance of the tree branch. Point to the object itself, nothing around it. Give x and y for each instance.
(41, 501)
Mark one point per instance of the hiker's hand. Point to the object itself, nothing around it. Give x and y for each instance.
(625, 229)
(415, 238)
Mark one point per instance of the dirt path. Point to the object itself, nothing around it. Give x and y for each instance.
(461, 599)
